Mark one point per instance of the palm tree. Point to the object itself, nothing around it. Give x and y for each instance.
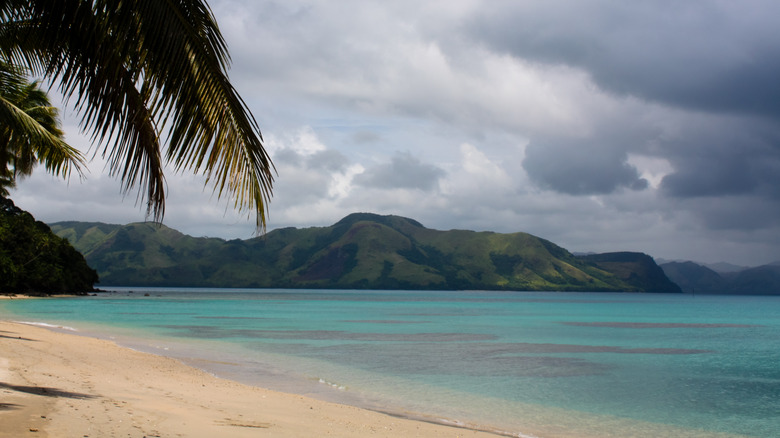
(29, 131)
(149, 80)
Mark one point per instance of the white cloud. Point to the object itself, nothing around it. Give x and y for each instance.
(652, 169)
(477, 175)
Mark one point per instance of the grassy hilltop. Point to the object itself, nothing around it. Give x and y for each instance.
(362, 251)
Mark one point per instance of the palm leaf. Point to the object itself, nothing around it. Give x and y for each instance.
(136, 69)
(29, 131)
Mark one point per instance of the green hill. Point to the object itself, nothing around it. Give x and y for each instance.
(761, 280)
(694, 278)
(362, 251)
(34, 260)
(634, 268)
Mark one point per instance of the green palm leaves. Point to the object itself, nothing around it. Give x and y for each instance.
(148, 78)
(29, 131)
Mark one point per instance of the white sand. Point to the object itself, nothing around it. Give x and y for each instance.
(61, 385)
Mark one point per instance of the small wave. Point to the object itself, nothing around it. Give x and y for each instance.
(43, 324)
(332, 385)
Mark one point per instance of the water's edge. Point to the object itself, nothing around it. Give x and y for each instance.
(321, 390)
(590, 345)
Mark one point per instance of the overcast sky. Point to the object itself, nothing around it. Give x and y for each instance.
(647, 126)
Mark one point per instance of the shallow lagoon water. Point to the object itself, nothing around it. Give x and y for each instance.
(524, 363)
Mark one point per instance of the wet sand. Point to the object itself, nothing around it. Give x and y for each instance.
(55, 384)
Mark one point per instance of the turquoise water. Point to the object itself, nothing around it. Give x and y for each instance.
(524, 363)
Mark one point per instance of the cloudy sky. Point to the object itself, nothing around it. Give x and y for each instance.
(600, 125)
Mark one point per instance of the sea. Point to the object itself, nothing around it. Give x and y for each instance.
(521, 364)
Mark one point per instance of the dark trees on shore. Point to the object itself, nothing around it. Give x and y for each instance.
(35, 260)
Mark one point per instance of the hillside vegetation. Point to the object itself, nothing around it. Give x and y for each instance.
(34, 260)
(362, 251)
(694, 278)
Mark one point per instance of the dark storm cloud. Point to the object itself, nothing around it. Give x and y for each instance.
(726, 173)
(744, 213)
(730, 157)
(711, 56)
(714, 65)
(712, 175)
(580, 168)
(404, 172)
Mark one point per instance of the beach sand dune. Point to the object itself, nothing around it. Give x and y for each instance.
(61, 385)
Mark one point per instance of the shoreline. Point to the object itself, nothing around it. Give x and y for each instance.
(94, 341)
(61, 384)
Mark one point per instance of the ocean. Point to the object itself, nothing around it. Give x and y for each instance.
(524, 364)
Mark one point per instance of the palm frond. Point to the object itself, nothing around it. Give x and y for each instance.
(29, 141)
(137, 68)
(29, 128)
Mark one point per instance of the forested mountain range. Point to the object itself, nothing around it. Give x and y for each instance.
(362, 251)
(695, 278)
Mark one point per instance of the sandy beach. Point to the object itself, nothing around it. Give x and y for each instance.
(63, 385)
